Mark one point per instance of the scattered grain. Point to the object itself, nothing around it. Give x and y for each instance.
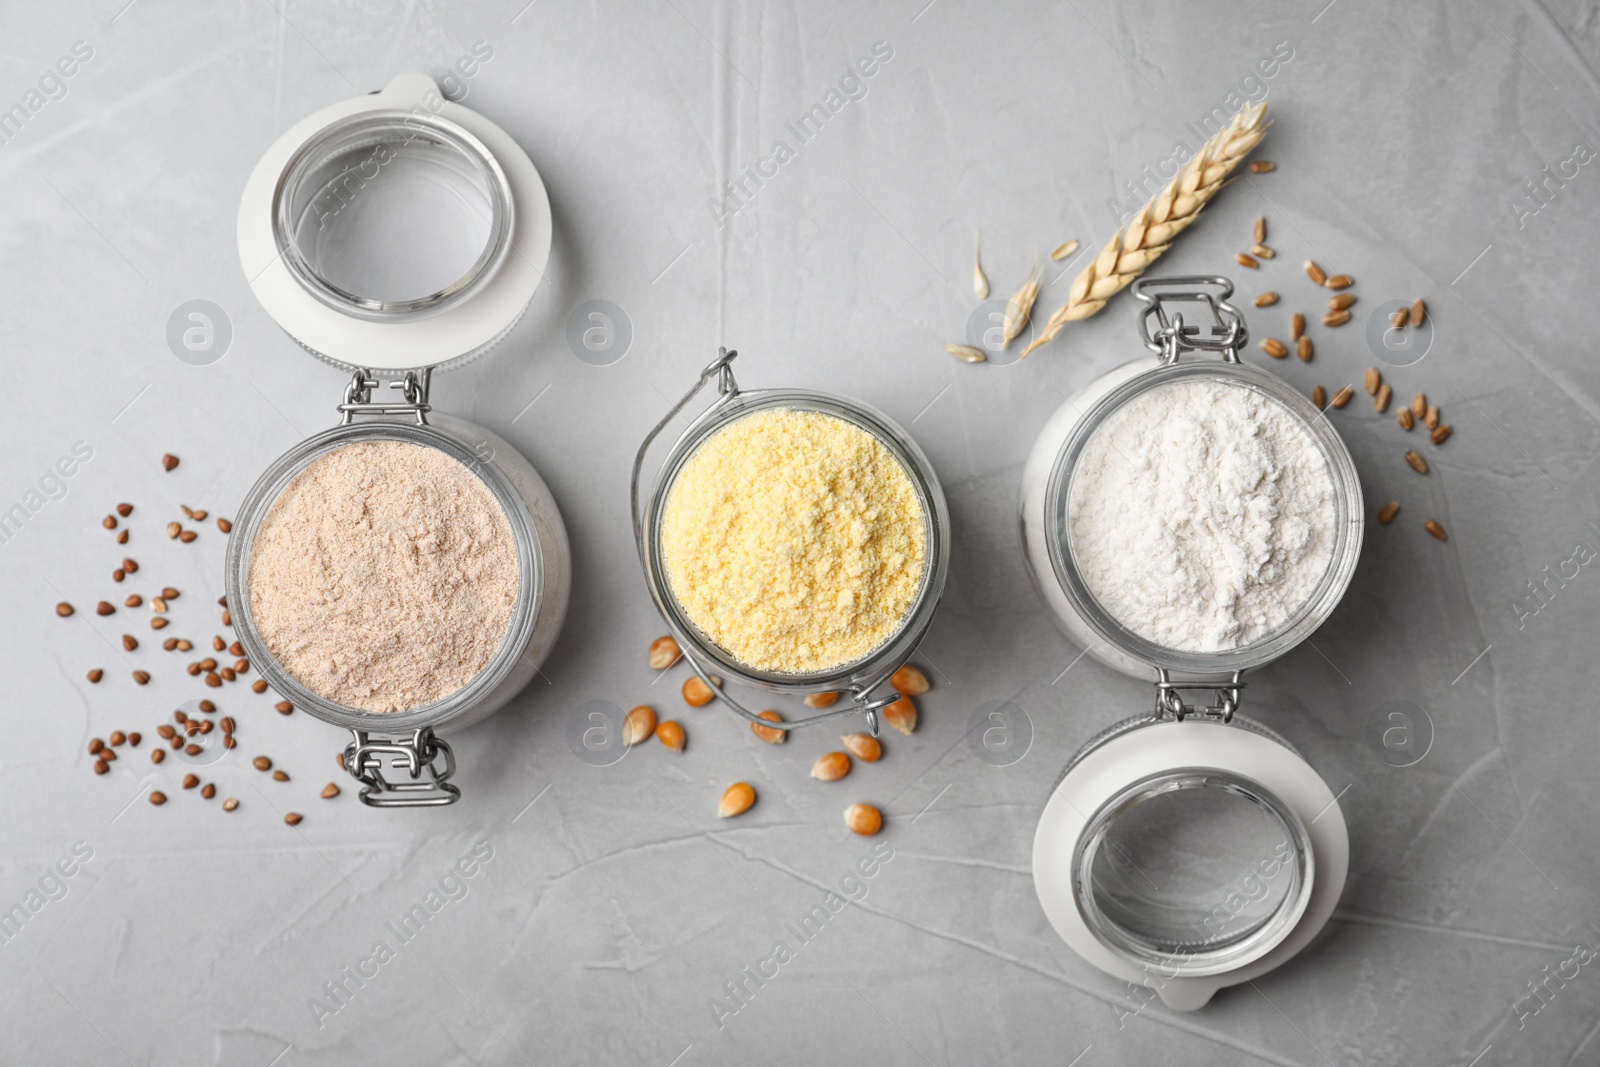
(865, 819)
(830, 767)
(909, 681)
(902, 715)
(736, 800)
(770, 735)
(664, 652)
(670, 733)
(864, 747)
(638, 725)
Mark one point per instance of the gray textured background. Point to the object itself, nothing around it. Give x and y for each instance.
(616, 906)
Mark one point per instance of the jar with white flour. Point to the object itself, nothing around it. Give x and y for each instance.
(1187, 518)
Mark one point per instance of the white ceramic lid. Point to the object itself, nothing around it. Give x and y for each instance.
(405, 330)
(1204, 755)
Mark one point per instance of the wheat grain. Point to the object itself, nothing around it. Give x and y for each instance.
(1020, 307)
(1152, 229)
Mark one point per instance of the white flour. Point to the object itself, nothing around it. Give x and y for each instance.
(1202, 515)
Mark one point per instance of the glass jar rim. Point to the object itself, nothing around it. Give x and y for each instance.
(887, 656)
(269, 487)
(351, 131)
(1349, 522)
(1228, 956)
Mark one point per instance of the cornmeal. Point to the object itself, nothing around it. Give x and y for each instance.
(794, 540)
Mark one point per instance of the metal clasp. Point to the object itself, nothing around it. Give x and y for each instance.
(414, 387)
(727, 389)
(858, 700)
(1171, 338)
(1170, 705)
(364, 758)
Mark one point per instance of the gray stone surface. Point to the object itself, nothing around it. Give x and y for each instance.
(615, 905)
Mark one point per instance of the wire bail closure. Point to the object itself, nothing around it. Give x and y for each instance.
(1170, 703)
(860, 695)
(414, 387)
(1171, 338)
(365, 756)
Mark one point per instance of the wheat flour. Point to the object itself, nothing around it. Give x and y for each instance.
(1202, 515)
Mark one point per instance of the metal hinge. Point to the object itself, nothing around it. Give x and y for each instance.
(1170, 705)
(364, 758)
(414, 387)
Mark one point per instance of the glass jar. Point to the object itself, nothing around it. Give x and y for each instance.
(392, 235)
(1186, 848)
(855, 681)
(1047, 489)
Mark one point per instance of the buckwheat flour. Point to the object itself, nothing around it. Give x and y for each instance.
(794, 540)
(385, 576)
(1202, 515)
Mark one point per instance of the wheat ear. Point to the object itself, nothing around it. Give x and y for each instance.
(1152, 230)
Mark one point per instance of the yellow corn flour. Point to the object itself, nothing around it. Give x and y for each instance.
(794, 540)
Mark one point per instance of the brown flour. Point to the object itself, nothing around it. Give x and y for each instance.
(385, 576)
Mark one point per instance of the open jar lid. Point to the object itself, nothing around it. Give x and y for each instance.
(1189, 855)
(395, 231)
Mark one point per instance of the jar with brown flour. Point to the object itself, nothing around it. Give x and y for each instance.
(1187, 518)
(404, 572)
